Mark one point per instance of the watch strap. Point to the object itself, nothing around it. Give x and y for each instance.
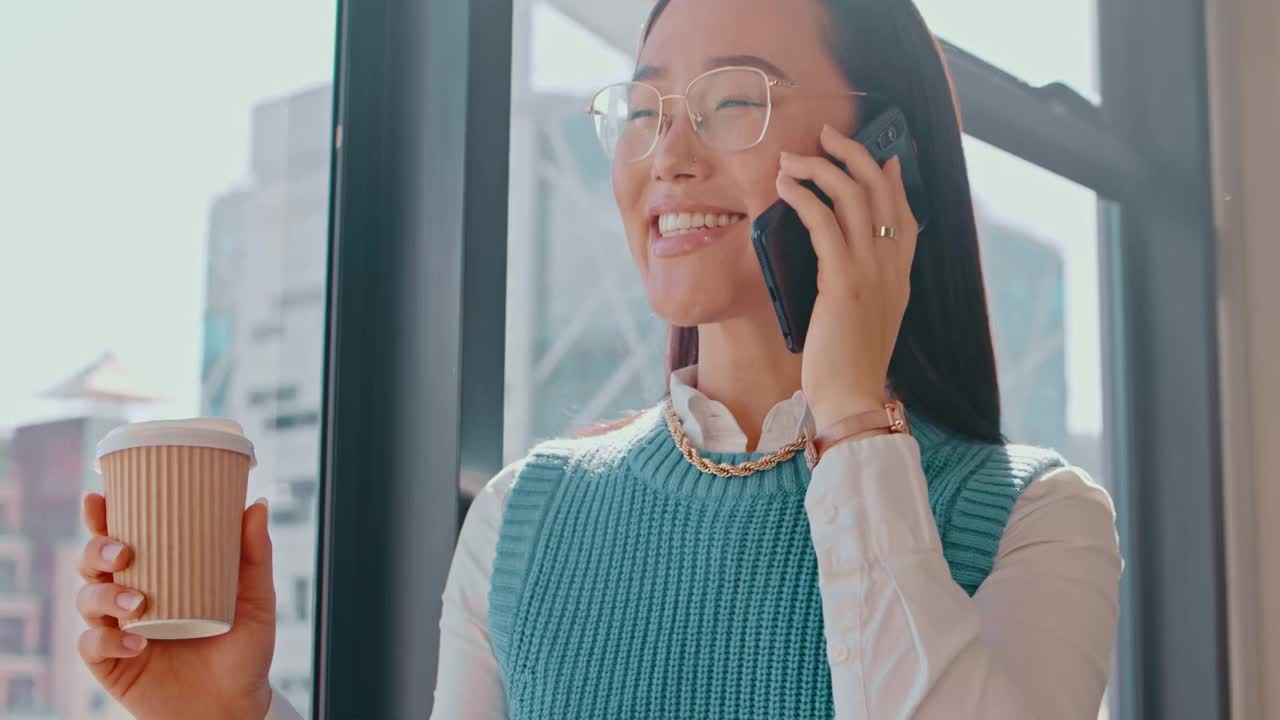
(891, 416)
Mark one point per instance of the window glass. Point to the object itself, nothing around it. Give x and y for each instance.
(1041, 249)
(1038, 42)
(163, 257)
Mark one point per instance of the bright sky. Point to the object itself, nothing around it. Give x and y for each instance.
(123, 121)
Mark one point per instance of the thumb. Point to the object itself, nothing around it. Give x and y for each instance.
(257, 588)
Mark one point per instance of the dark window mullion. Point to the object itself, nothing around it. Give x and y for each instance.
(1050, 126)
(415, 316)
(1154, 92)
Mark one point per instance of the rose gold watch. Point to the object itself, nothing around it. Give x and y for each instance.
(892, 416)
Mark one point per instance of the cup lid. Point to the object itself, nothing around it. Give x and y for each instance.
(222, 433)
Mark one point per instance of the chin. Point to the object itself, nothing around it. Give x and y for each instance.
(682, 303)
(709, 285)
(688, 298)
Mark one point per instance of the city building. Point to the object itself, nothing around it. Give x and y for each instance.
(264, 345)
(45, 468)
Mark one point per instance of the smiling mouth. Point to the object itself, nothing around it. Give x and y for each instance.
(676, 224)
(675, 235)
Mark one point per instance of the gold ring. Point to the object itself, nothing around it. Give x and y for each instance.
(886, 231)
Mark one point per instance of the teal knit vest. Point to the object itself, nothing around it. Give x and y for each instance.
(628, 584)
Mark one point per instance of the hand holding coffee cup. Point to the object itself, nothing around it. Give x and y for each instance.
(179, 598)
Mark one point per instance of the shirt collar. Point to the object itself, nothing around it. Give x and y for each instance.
(711, 427)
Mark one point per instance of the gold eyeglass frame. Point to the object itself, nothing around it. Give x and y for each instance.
(665, 120)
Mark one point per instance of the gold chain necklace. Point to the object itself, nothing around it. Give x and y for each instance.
(724, 469)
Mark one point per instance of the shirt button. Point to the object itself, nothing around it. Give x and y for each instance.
(824, 511)
(839, 651)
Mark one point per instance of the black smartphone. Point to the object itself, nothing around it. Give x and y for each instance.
(782, 241)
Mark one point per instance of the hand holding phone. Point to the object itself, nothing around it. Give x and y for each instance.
(782, 241)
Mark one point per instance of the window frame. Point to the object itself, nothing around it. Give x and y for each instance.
(1163, 278)
(415, 313)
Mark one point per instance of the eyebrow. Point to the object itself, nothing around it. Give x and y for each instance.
(646, 72)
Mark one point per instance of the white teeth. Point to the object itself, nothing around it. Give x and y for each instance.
(680, 223)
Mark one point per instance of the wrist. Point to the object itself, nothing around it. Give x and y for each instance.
(857, 436)
(827, 414)
(888, 418)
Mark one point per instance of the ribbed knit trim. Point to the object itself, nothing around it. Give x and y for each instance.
(521, 524)
(974, 497)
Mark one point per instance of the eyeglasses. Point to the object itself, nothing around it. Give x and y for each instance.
(729, 108)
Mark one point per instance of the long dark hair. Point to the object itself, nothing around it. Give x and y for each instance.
(943, 365)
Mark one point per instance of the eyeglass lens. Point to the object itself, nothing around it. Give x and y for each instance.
(729, 109)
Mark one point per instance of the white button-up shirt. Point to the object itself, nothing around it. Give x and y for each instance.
(903, 639)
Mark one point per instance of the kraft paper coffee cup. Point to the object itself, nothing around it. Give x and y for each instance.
(175, 493)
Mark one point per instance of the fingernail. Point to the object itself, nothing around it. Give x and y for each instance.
(129, 600)
(111, 551)
(261, 501)
(134, 642)
(827, 129)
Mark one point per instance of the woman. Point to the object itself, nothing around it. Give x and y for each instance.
(687, 562)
